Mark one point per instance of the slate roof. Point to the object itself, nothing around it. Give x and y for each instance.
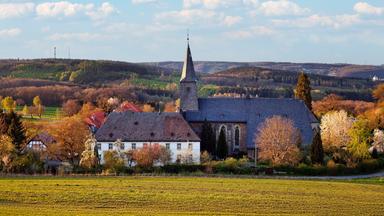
(254, 111)
(188, 73)
(145, 127)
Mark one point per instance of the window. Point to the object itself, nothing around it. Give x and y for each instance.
(98, 146)
(110, 146)
(190, 146)
(167, 146)
(178, 146)
(133, 146)
(122, 146)
(237, 136)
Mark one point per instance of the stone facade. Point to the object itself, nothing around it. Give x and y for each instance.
(188, 96)
(235, 143)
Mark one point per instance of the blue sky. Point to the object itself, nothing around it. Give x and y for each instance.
(329, 31)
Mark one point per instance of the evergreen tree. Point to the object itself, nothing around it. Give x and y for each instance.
(208, 139)
(303, 90)
(3, 124)
(317, 151)
(222, 148)
(16, 132)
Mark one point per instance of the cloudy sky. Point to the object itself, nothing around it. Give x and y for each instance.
(331, 31)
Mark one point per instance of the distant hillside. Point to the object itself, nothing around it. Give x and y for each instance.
(339, 70)
(77, 71)
(279, 83)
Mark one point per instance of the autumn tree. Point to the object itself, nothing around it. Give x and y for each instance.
(8, 104)
(378, 93)
(89, 157)
(113, 162)
(317, 151)
(378, 141)
(278, 141)
(360, 140)
(208, 139)
(170, 107)
(70, 134)
(71, 107)
(148, 108)
(150, 155)
(25, 110)
(37, 103)
(303, 90)
(6, 150)
(222, 148)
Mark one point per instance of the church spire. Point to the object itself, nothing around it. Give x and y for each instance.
(188, 73)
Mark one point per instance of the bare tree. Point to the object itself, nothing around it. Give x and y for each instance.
(278, 141)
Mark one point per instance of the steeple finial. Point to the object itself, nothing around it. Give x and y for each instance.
(188, 36)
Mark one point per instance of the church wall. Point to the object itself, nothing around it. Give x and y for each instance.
(230, 127)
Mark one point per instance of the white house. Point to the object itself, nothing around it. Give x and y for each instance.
(137, 130)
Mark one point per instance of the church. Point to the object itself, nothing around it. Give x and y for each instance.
(239, 118)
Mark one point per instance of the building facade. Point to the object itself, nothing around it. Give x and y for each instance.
(137, 130)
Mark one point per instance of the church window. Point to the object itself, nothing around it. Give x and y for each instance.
(237, 136)
(110, 146)
(98, 146)
(122, 146)
(190, 146)
(133, 146)
(224, 130)
(167, 146)
(178, 146)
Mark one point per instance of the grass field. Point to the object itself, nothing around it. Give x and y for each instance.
(186, 196)
(50, 113)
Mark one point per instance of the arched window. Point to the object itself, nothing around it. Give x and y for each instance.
(237, 136)
(224, 130)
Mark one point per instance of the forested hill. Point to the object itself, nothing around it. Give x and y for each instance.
(278, 83)
(339, 70)
(77, 71)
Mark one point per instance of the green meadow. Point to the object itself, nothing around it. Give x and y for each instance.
(187, 196)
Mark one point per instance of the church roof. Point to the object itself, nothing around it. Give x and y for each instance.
(253, 112)
(145, 127)
(188, 73)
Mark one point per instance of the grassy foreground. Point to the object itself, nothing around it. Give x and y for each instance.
(186, 196)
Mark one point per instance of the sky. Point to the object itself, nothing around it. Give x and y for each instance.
(326, 31)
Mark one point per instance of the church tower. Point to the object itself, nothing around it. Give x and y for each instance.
(188, 85)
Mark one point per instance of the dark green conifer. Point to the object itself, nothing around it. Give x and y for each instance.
(303, 90)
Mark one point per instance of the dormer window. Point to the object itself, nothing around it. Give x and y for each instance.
(152, 134)
(136, 123)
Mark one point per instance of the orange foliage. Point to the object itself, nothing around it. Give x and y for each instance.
(335, 103)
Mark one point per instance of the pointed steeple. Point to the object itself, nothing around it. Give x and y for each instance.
(188, 73)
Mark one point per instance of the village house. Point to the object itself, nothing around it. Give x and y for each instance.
(137, 130)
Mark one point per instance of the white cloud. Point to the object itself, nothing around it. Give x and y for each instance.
(63, 8)
(251, 32)
(10, 10)
(67, 9)
(365, 8)
(213, 4)
(9, 32)
(103, 11)
(85, 36)
(143, 1)
(281, 8)
(187, 15)
(337, 21)
(231, 20)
